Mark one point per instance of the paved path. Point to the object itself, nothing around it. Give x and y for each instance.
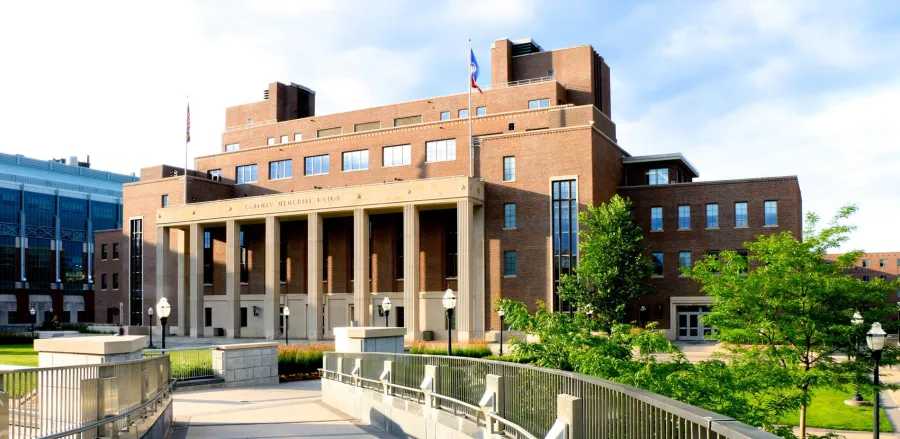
(290, 410)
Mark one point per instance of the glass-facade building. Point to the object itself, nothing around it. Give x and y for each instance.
(48, 213)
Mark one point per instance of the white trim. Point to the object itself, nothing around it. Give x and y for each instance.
(674, 302)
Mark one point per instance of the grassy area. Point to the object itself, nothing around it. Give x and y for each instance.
(296, 361)
(829, 411)
(472, 349)
(18, 355)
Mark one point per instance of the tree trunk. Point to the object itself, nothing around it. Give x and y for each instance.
(803, 421)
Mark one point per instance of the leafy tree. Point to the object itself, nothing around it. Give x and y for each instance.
(791, 308)
(613, 268)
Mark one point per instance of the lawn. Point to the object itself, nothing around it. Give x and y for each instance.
(829, 411)
(18, 355)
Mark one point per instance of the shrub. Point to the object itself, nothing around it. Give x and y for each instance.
(472, 349)
(299, 360)
(14, 337)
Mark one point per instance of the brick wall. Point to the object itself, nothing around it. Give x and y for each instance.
(105, 299)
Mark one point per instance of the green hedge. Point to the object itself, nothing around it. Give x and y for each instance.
(471, 350)
(10, 337)
(295, 360)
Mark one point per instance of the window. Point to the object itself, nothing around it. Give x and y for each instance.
(409, 120)
(883, 277)
(684, 217)
(207, 258)
(270, 141)
(298, 137)
(115, 281)
(103, 283)
(882, 262)
(551, 72)
(509, 216)
(215, 174)
(744, 254)
(445, 115)
(281, 169)
(658, 176)
(282, 261)
(463, 113)
(316, 165)
(243, 317)
(396, 156)
(246, 174)
(684, 259)
(509, 168)
(440, 150)
(656, 218)
(713, 253)
(103, 253)
(368, 126)
(865, 278)
(284, 139)
(328, 132)
(771, 210)
(538, 103)
(740, 214)
(232, 147)
(564, 209)
(712, 216)
(115, 250)
(165, 200)
(865, 263)
(451, 245)
(481, 111)
(207, 317)
(356, 160)
(249, 121)
(657, 260)
(509, 263)
(245, 269)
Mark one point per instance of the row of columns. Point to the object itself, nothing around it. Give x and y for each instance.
(191, 312)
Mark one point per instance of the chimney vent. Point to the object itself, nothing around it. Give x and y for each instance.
(265, 95)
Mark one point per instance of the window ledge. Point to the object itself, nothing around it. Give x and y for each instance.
(510, 181)
(509, 276)
(712, 228)
(657, 231)
(771, 225)
(283, 282)
(207, 285)
(246, 182)
(451, 278)
(683, 276)
(439, 161)
(245, 283)
(688, 229)
(509, 228)
(115, 259)
(741, 227)
(657, 276)
(313, 175)
(281, 178)
(354, 170)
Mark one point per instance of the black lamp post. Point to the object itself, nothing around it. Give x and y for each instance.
(856, 321)
(163, 309)
(875, 339)
(449, 302)
(501, 314)
(150, 326)
(386, 306)
(287, 315)
(33, 321)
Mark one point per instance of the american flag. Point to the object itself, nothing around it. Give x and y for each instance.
(188, 139)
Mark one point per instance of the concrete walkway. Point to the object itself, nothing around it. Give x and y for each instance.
(289, 410)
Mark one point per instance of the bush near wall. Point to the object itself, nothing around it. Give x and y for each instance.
(471, 349)
(298, 362)
(14, 337)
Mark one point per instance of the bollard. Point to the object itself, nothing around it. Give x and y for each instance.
(385, 377)
(430, 384)
(569, 417)
(492, 401)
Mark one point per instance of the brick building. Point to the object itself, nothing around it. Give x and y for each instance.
(330, 214)
(872, 266)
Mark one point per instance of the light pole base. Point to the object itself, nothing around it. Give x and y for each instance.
(857, 401)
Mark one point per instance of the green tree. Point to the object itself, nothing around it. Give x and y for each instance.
(613, 268)
(785, 306)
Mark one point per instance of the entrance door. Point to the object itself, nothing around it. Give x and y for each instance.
(690, 323)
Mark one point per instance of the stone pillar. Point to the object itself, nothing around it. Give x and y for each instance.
(184, 281)
(479, 304)
(232, 279)
(273, 280)
(464, 295)
(361, 296)
(162, 254)
(314, 276)
(411, 271)
(197, 317)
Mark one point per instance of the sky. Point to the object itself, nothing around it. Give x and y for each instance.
(742, 88)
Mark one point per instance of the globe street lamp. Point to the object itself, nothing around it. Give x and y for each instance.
(875, 339)
(287, 313)
(33, 321)
(386, 306)
(163, 309)
(856, 320)
(150, 326)
(501, 314)
(449, 302)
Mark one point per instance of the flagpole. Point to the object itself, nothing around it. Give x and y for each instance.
(469, 113)
(186, 153)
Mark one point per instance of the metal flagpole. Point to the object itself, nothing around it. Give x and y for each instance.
(469, 113)
(186, 141)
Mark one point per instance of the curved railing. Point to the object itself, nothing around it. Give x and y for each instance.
(527, 397)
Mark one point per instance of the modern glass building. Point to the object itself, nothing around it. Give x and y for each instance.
(49, 211)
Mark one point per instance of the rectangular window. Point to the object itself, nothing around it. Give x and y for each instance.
(245, 269)
(865, 263)
(316, 165)
(207, 317)
(284, 139)
(115, 250)
(744, 254)
(740, 214)
(712, 216)
(298, 137)
(656, 218)
(481, 111)
(445, 115)
(509, 168)
(356, 160)
(249, 121)
(282, 261)
(103, 252)
(103, 283)
(564, 209)
(409, 120)
(207, 258)
(215, 174)
(328, 132)
(883, 277)
(281, 169)
(771, 210)
(658, 176)
(538, 103)
(684, 217)
(451, 245)
(243, 317)
(882, 262)
(270, 141)
(510, 260)
(400, 155)
(246, 174)
(463, 113)
(684, 259)
(165, 200)
(232, 147)
(440, 150)
(866, 278)
(115, 281)
(368, 126)
(509, 216)
(657, 260)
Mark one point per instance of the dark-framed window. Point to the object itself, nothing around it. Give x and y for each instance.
(115, 283)
(771, 212)
(657, 260)
(165, 200)
(207, 257)
(243, 317)
(509, 216)
(316, 165)
(282, 261)
(564, 209)
(658, 176)
(510, 263)
(712, 216)
(136, 269)
(103, 283)
(740, 214)
(115, 250)
(656, 218)
(245, 272)
(451, 244)
(103, 253)
(684, 259)
(281, 169)
(509, 168)
(684, 217)
(207, 317)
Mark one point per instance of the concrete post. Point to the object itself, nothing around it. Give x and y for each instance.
(492, 400)
(232, 279)
(357, 370)
(198, 312)
(162, 254)
(569, 417)
(339, 368)
(387, 376)
(411, 271)
(184, 276)
(361, 296)
(431, 384)
(273, 280)
(465, 263)
(314, 292)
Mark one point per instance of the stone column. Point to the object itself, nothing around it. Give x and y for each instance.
(232, 279)
(314, 267)
(411, 271)
(478, 304)
(184, 281)
(273, 280)
(197, 317)
(464, 295)
(162, 253)
(361, 296)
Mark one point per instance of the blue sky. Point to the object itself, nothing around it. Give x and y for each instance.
(742, 88)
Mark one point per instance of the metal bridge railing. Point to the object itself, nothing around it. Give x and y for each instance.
(188, 363)
(527, 397)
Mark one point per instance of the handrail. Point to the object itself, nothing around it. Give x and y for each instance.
(187, 348)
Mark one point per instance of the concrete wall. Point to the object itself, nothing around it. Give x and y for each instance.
(252, 364)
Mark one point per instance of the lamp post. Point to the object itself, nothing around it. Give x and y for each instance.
(386, 306)
(150, 326)
(287, 314)
(501, 314)
(449, 302)
(33, 321)
(856, 320)
(641, 315)
(875, 339)
(163, 309)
